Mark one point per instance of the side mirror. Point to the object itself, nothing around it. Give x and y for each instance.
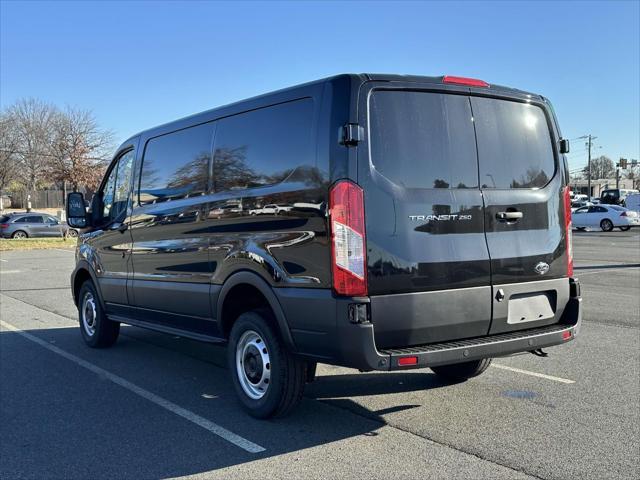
(564, 145)
(76, 212)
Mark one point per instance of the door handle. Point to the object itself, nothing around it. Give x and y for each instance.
(509, 216)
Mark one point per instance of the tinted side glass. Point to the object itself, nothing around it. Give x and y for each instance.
(51, 220)
(20, 220)
(177, 164)
(263, 147)
(34, 219)
(514, 144)
(123, 184)
(423, 140)
(108, 193)
(599, 209)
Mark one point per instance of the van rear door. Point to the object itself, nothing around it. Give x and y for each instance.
(522, 185)
(428, 262)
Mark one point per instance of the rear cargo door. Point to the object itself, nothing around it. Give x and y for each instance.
(428, 263)
(521, 182)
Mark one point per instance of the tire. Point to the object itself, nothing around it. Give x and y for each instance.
(581, 229)
(625, 229)
(71, 233)
(606, 225)
(268, 380)
(460, 372)
(96, 329)
(19, 234)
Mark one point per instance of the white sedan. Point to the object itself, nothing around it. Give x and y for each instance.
(605, 217)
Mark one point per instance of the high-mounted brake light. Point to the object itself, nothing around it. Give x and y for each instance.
(567, 223)
(471, 82)
(348, 242)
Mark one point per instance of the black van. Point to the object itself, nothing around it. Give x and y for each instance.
(379, 222)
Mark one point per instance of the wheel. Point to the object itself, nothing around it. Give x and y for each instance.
(268, 379)
(97, 330)
(71, 233)
(581, 229)
(606, 225)
(624, 229)
(19, 234)
(462, 371)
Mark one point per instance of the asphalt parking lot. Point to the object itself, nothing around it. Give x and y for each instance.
(160, 406)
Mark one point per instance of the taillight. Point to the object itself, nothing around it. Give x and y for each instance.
(348, 243)
(471, 82)
(568, 234)
(4, 225)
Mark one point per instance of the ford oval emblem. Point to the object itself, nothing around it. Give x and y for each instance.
(541, 268)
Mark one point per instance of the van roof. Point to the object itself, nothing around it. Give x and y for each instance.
(355, 78)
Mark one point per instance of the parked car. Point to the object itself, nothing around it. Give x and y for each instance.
(632, 202)
(580, 197)
(595, 201)
(34, 224)
(579, 204)
(605, 217)
(616, 196)
(416, 238)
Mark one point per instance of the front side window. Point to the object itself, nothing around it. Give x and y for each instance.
(514, 144)
(176, 165)
(115, 195)
(423, 140)
(265, 147)
(51, 220)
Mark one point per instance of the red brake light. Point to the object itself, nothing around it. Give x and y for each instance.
(567, 224)
(4, 225)
(471, 82)
(404, 361)
(348, 241)
(566, 335)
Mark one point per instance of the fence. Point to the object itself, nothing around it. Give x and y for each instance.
(39, 199)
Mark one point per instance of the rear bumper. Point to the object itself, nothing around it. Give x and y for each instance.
(358, 347)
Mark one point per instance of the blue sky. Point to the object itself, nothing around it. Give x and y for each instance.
(137, 65)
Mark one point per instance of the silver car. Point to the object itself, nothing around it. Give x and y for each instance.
(33, 224)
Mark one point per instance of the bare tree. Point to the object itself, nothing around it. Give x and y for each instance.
(31, 121)
(601, 167)
(9, 148)
(80, 149)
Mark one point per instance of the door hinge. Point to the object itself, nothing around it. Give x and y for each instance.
(352, 133)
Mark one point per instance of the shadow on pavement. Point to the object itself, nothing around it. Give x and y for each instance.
(60, 420)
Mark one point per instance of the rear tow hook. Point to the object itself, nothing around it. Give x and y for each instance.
(538, 352)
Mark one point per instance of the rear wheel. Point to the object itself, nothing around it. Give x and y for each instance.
(581, 229)
(462, 371)
(606, 225)
(19, 234)
(268, 379)
(97, 330)
(624, 229)
(71, 233)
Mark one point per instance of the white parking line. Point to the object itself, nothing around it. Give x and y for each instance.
(214, 428)
(533, 374)
(3, 260)
(64, 250)
(9, 271)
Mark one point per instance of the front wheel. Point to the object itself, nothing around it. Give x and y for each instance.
(606, 225)
(268, 379)
(625, 229)
(460, 372)
(97, 330)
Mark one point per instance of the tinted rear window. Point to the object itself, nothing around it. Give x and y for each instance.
(423, 140)
(514, 144)
(177, 164)
(264, 146)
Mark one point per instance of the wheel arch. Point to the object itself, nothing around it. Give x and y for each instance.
(81, 274)
(243, 282)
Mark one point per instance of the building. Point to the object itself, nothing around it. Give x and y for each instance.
(597, 186)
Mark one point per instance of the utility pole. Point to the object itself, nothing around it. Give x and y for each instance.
(590, 138)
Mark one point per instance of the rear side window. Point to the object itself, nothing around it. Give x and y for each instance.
(264, 147)
(30, 219)
(514, 144)
(177, 164)
(423, 140)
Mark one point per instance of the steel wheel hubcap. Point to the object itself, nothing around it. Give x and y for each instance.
(89, 314)
(253, 364)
